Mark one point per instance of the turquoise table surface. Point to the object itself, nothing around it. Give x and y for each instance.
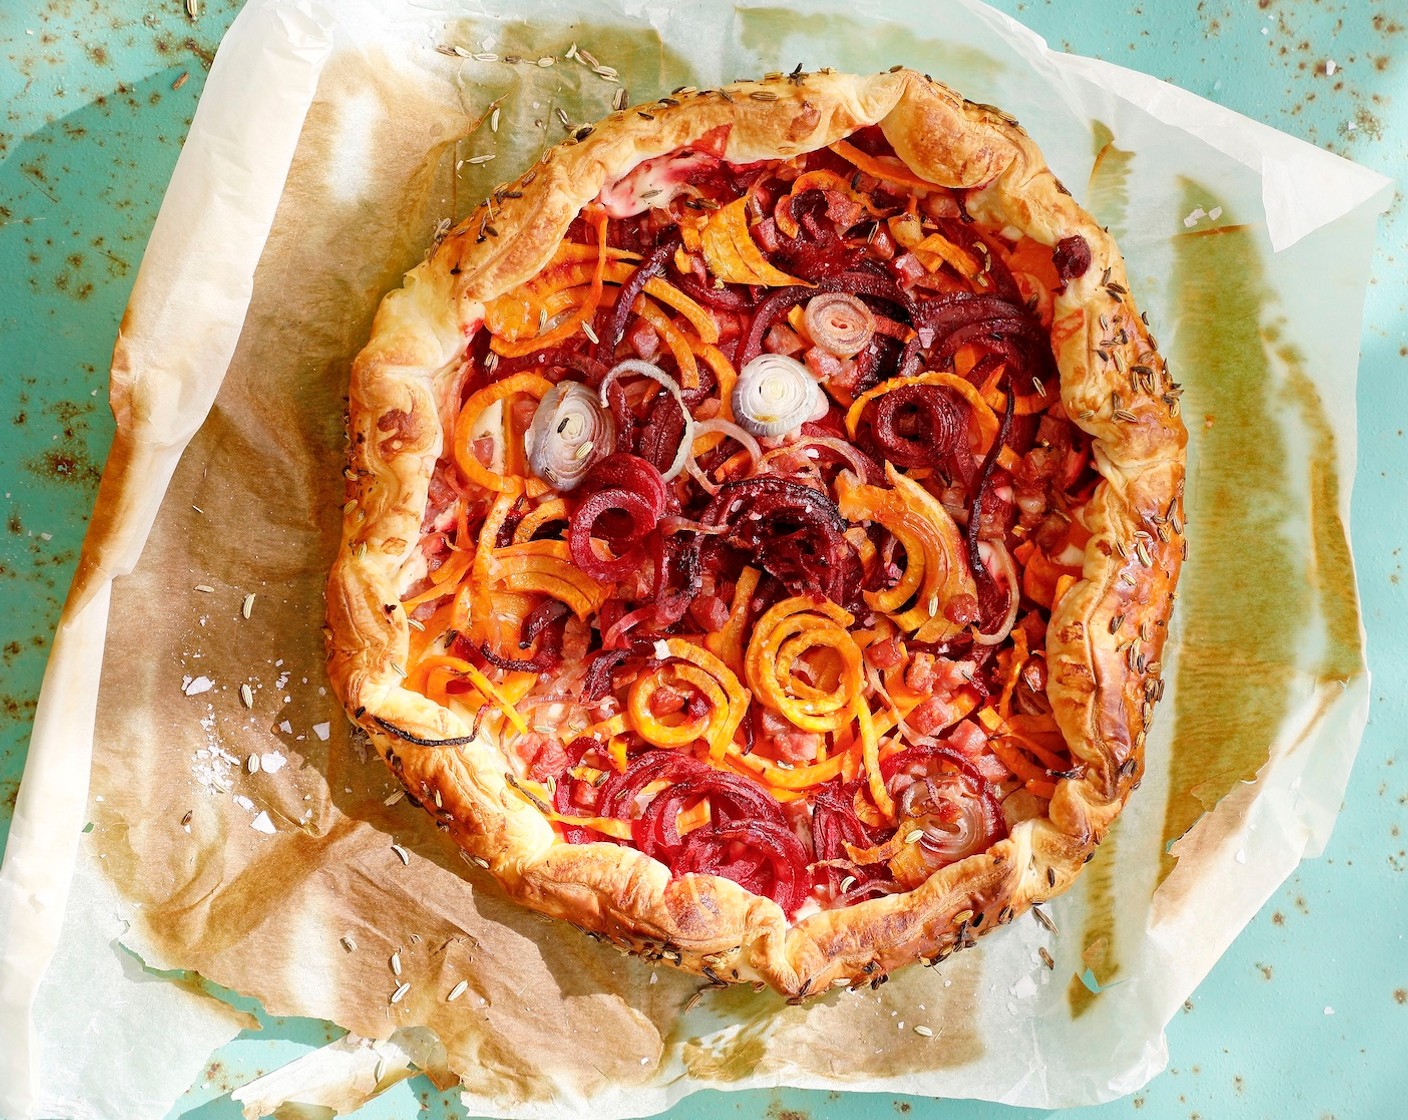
(1306, 1016)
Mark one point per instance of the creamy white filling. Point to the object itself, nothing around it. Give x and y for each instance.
(652, 183)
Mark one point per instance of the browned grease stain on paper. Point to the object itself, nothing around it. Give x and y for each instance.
(1330, 560)
(1109, 180)
(1247, 588)
(1099, 944)
(1241, 597)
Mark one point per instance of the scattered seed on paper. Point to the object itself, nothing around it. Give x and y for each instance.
(457, 991)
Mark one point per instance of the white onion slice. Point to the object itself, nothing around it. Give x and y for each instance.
(775, 395)
(569, 433)
(671, 386)
(739, 435)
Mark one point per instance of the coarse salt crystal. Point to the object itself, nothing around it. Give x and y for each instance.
(1330, 67)
(322, 730)
(243, 802)
(272, 762)
(286, 727)
(1024, 988)
(262, 823)
(1215, 213)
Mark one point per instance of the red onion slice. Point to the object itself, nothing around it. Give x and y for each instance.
(569, 433)
(839, 323)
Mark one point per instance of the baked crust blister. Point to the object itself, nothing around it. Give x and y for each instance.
(1104, 639)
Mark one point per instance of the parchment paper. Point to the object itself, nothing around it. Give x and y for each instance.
(278, 878)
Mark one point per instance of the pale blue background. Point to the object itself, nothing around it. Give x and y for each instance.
(1307, 1014)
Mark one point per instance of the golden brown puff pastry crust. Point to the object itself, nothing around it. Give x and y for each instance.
(1104, 641)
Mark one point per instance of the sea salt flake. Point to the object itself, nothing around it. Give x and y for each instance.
(1024, 988)
(194, 687)
(243, 802)
(272, 762)
(263, 824)
(286, 727)
(1215, 213)
(1330, 67)
(322, 731)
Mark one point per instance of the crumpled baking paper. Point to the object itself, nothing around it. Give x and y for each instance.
(240, 833)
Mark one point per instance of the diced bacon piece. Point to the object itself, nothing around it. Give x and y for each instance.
(933, 715)
(789, 743)
(710, 612)
(845, 212)
(782, 339)
(543, 755)
(885, 654)
(641, 338)
(666, 700)
(823, 363)
(908, 267)
(968, 739)
(881, 246)
(922, 673)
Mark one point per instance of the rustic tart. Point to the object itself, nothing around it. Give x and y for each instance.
(762, 523)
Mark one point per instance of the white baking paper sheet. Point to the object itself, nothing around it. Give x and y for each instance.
(1234, 234)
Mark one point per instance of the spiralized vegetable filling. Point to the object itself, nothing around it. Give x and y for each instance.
(758, 501)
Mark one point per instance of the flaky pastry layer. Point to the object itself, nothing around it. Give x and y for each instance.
(1105, 637)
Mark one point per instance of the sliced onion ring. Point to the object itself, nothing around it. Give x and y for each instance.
(671, 386)
(839, 323)
(775, 395)
(569, 433)
(739, 435)
(1008, 569)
